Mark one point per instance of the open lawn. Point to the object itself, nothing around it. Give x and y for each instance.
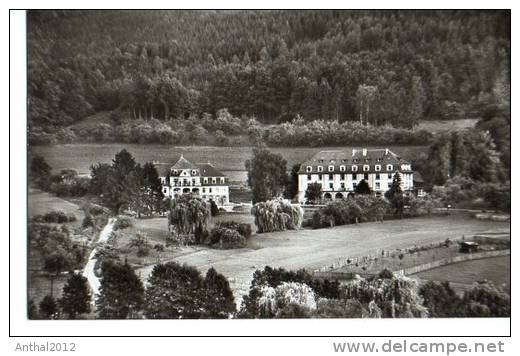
(231, 160)
(312, 249)
(496, 269)
(40, 202)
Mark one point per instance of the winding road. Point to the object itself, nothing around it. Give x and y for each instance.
(88, 271)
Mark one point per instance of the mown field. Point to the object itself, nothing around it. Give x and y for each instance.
(496, 269)
(40, 203)
(231, 160)
(313, 249)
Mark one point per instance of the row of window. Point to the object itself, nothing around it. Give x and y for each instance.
(193, 181)
(354, 185)
(204, 190)
(354, 176)
(366, 168)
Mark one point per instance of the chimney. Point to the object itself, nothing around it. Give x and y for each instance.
(353, 152)
(364, 152)
(386, 151)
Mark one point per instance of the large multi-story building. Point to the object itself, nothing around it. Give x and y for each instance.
(339, 172)
(200, 179)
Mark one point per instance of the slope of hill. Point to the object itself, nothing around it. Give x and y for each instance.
(377, 67)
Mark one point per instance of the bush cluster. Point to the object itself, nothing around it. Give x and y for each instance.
(67, 183)
(277, 215)
(360, 208)
(123, 222)
(229, 234)
(56, 216)
(223, 237)
(243, 229)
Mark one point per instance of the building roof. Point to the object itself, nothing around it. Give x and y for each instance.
(183, 163)
(207, 170)
(356, 157)
(203, 169)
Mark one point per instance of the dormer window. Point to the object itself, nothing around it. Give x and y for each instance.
(356, 160)
(354, 168)
(378, 167)
(214, 180)
(222, 180)
(193, 172)
(309, 169)
(175, 171)
(366, 167)
(205, 180)
(389, 167)
(342, 168)
(331, 168)
(320, 169)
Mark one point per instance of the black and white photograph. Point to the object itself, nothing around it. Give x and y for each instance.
(334, 165)
(268, 164)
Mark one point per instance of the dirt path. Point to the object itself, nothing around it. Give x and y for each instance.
(88, 271)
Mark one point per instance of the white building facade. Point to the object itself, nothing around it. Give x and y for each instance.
(201, 179)
(339, 172)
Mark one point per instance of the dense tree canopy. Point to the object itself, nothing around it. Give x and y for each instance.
(374, 67)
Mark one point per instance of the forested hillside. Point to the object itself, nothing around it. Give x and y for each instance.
(374, 67)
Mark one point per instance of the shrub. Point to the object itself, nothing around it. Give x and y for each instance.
(123, 222)
(440, 299)
(486, 300)
(287, 300)
(277, 215)
(273, 277)
(49, 308)
(339, 308)
(397, 297)
(243, 229)
(158, 247)
(56, 216)
(226, 238)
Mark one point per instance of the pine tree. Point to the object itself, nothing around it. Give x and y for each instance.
(121, 294)
(220, 302)
(174, 292)
(76, 296)
(395, 194)
(48, 307)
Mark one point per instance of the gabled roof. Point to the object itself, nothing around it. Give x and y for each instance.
(203, 169)
(183, 163)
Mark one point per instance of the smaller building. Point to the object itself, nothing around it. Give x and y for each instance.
(200, 179)
(468, 247)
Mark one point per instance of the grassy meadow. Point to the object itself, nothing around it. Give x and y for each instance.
(231, 160)
(496, 269)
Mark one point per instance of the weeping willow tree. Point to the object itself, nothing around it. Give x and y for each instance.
(277, 215)
(393, 296)
(188, 218)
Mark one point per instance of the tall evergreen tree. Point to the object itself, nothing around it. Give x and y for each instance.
(121, 294)
(76, 296)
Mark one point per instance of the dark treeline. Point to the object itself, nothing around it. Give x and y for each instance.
(377, 67)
